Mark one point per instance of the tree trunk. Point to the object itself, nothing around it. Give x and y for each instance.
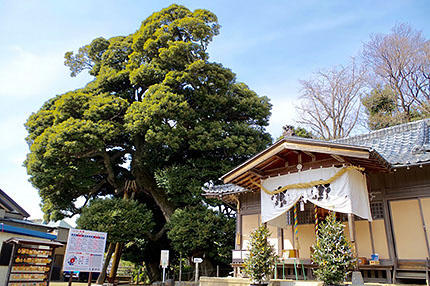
(102, 275)
(153, 268)
(144, 181)
(115, 262)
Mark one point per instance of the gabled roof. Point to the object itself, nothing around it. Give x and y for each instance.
(398, 146)
(401, 145)
(357, 155)
(10, 205)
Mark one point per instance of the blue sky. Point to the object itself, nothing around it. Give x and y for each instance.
(270, 45)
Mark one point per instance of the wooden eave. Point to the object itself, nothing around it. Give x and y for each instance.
(284, 156)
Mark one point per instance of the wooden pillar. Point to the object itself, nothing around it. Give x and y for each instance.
(280, 241)
(424, 227)
(372, 241)
(351, 226)
(115, 262)
(239, 232)
(388, 229)
(239, 222)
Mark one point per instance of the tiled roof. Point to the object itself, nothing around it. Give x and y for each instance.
(210, 189)
(401, 145)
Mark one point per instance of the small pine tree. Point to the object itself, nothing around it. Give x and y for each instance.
(259, 265)
(332, 252)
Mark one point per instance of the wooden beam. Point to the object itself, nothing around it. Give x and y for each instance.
(325, 148)
(306, 166)
(328, 150)
(279, 158)
(310, 154)
(338, 158)
(265, 163)
(271, 162)
(252, 163)
(256, 172)
(245, 180)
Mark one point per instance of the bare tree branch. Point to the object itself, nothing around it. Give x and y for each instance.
(331, 101)
(401, 60)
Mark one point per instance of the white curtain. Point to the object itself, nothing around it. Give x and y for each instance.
(346, 194)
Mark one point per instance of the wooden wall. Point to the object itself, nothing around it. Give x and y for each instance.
(398, 194)
(402, 192)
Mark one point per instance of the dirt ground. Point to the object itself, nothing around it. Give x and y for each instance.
(73, 284)
(65, 284)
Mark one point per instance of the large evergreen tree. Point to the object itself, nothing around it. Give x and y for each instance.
(157, 112)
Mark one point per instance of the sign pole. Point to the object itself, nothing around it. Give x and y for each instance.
(197, 261)
(70, 278)
(197, 273)
(90, 277)
(164, 274)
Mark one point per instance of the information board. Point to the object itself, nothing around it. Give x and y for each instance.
(85, 251)
(164, 258)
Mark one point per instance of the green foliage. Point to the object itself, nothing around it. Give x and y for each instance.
(123, 220)
(382, 109)
(157, 113)
(302, 132)
(332, 252)
(260, 263)
(155, 102)
(299, 132)
(199, 230)
(380, 106)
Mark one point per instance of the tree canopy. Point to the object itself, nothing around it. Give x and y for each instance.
(400, 61)
(157, 113)
(197, 230)
(123, 220)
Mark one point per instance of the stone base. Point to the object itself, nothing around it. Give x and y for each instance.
(357, 279)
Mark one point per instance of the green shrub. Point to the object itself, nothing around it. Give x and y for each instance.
(332, 252)
(259, 265)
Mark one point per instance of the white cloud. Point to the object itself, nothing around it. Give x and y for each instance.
(284, 98)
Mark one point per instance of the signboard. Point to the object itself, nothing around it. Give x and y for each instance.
(31, 261)
(164, 260)
(85, 251)
(198, 260)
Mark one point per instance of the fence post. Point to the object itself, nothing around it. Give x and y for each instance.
(180, 269)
